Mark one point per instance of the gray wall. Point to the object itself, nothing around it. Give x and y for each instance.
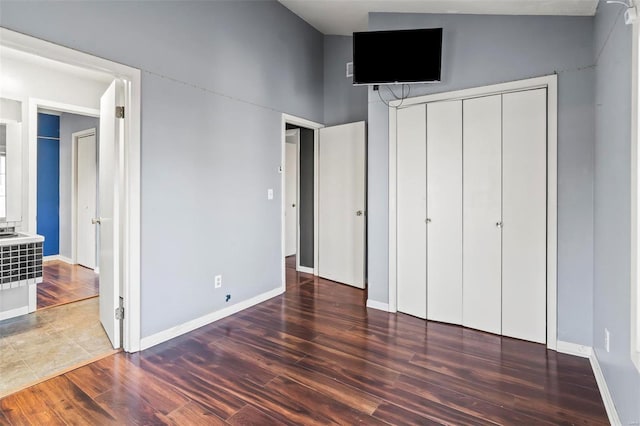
(306, 201)
(69, 124)
(481, 50)
(612, 49)
(343, 102)
(216, 76)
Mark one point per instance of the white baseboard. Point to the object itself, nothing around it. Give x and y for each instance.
(614, 419)
(574, 349)
(23, 310)
(588, 352)
(58, 257)
(170, 333)
(305, 269)
(377, 305)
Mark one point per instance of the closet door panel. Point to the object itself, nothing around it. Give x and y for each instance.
(412, 211)
(482, 130)
(524, 215)
(444, 210)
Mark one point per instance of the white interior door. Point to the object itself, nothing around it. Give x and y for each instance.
(411, 202)
(111, 136)
(86, 201)
(524, 199)
(290, 212)
(482, 215)
(444, 211)
(341, 203)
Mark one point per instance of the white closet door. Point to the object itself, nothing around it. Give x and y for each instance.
(412, 211)
(524, 214)
(444, 210)
(482, 127)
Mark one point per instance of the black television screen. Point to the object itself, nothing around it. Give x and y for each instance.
(405, 56)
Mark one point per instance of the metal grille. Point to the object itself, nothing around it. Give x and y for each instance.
(21, 264)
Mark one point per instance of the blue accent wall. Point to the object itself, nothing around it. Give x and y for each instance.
(48, 183)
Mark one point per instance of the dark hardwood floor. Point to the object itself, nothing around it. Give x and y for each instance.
(64, 283)
(316, 355)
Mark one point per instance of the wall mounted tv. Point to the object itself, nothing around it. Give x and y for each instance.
(392, 57)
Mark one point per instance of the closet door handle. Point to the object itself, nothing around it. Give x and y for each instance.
(428, 220)
(499, 225)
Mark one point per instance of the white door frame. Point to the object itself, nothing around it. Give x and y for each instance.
(550, 82)
(302, 122)
(130, 211)
(74, 189)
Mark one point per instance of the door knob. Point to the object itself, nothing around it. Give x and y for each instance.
(96, 221)
(293, 205)
(499, 225)
(428, 220)
(359, 213)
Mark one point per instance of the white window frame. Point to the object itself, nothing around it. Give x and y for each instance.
(635, 204)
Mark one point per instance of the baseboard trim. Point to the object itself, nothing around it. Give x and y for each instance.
(574, 349)
(305, 269)
(377, 305)
(588, 352)
(58, 257)
(614, 419)
(23, 310)
(170, 333)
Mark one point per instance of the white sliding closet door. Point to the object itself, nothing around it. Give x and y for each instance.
(412, 211)
(482, 215)
(524, 198)
(444, 211)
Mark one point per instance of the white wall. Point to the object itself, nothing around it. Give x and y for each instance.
(22, 78)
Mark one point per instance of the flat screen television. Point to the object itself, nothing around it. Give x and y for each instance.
(404, 56)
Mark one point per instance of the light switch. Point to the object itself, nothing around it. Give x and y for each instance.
(270, 194)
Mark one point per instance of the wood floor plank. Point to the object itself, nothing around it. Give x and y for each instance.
(317, 355)
(251, 416)
(192, 414)
(113, 381)
(65, 283)
(333, 409)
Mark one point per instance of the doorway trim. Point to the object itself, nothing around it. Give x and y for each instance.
(130, 211)
(302, 122)
(550, 82)
(74, 190)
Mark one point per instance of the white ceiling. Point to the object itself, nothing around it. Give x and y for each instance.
(343, 17)
(28, 58)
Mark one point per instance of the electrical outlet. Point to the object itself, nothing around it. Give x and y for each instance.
(607, 340)
(218, 281)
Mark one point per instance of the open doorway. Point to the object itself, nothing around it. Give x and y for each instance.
(42, 80)
(324, 202)
(66, 197)
(299, 199)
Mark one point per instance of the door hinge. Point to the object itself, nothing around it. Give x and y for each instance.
(120, 313)
(119, 112)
